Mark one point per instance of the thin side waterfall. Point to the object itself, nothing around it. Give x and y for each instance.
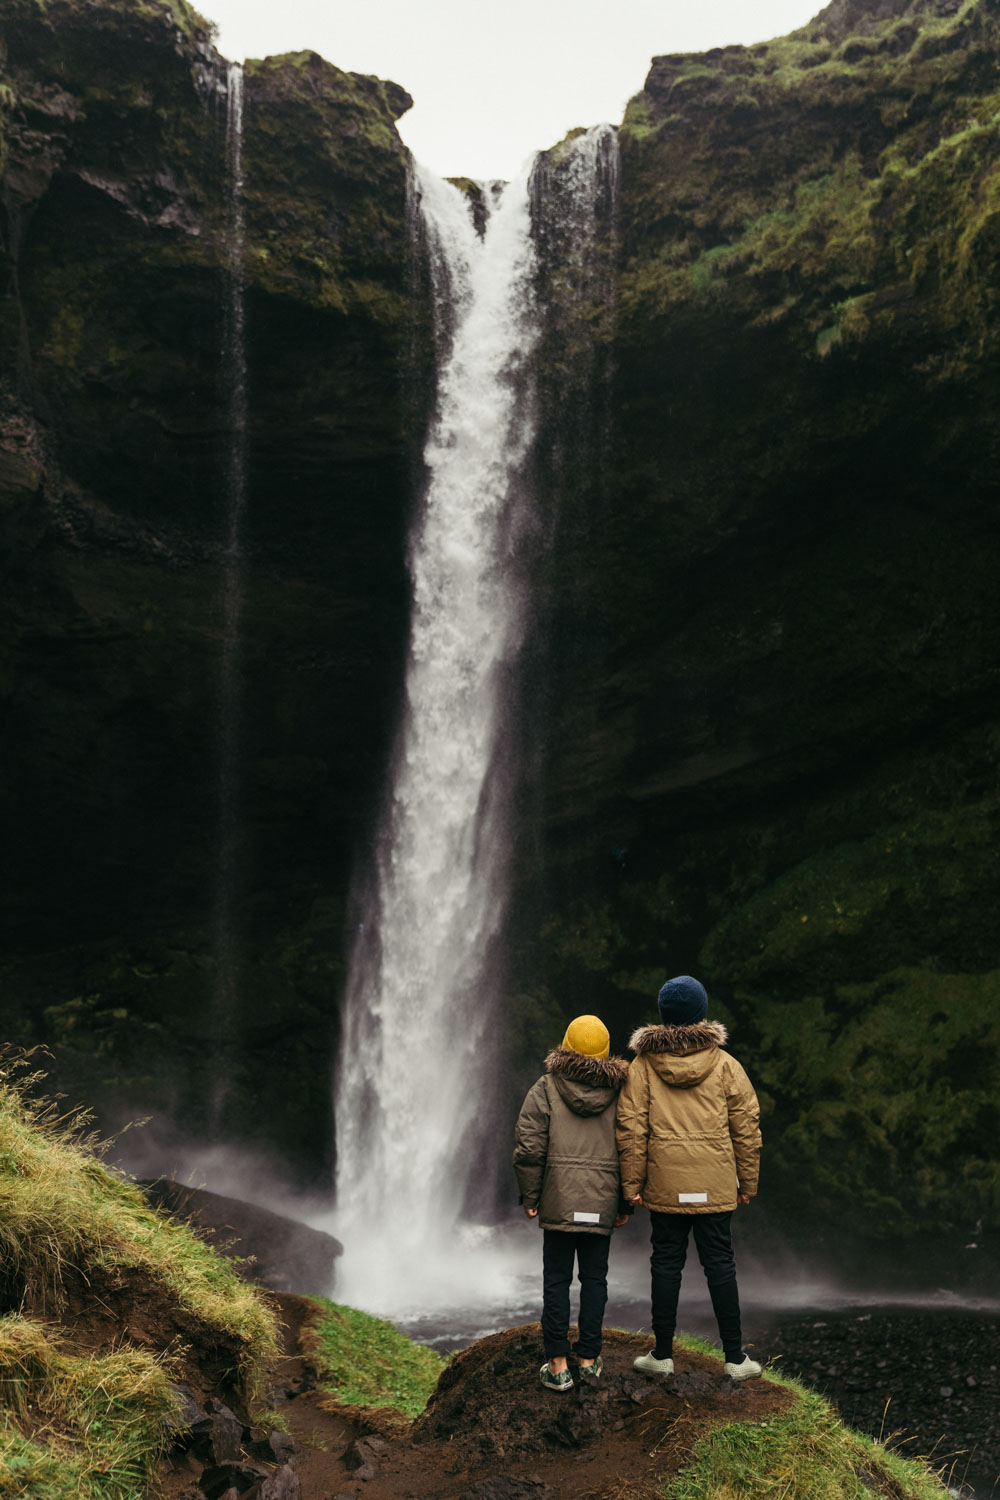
(234, 375)
(414, 1071)
(574, 211)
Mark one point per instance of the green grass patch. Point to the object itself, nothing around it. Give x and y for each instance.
(804, 1453)
(365, 1361)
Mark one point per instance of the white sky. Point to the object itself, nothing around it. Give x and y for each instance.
(495, 80)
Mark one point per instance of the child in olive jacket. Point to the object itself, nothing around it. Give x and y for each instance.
(566, 1162)
(689, 1137)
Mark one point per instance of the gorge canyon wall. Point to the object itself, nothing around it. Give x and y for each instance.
(759, 725)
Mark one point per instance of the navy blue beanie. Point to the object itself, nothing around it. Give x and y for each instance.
(682, 1001)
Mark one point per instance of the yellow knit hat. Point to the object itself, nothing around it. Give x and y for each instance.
(588, 1035)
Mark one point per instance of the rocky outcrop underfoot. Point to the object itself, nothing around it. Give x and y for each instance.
(491, 1431)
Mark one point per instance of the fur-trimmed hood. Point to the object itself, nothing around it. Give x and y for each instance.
(587, 1085)
(683, 1056)
(605, 1072)
(679, 1040)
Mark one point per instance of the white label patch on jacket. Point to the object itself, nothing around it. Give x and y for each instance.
(586, 1218)
(692, 1197)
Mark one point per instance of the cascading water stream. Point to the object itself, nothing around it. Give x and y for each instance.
(234, 374)
(414, 1071)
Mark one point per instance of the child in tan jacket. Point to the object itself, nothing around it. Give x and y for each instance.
(689, 1142)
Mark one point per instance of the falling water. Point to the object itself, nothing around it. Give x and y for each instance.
(574, 204)
(234, 374)
(414, 1069)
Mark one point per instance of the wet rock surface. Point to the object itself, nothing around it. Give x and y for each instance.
(270, 1248)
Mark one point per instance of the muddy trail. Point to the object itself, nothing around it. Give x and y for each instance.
(490, 1432)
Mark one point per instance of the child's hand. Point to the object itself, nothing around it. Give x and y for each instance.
(532, 1213)
(742, 1197)
(637, 1201)
(621, 1220)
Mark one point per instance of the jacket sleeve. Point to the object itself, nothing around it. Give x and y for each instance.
(531, 1144)
(632, 1129)
(744, 1126)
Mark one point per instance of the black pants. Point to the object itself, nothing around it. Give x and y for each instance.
(559, 1249)
(714, 1243)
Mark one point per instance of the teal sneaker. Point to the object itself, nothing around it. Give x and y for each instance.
(592, 1373)
(552, 1382)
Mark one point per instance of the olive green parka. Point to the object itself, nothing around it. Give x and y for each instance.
(688, 1122)
(565, 1153)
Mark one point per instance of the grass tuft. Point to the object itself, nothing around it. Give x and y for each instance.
(78, 1428)
(91, 1426)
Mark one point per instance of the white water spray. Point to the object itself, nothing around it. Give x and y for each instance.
(414, 1068)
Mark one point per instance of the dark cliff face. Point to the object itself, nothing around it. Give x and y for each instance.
(113, 495)
(773, 755)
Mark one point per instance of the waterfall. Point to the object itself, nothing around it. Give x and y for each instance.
(574, 206)
(234, 376)
(414, 1077)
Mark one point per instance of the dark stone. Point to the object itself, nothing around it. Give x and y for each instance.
(283, 1253)
(189, 1415)
(362, 1458)
(218, 1479)
(218, 1436)
(277, 1447)
(281, 1485)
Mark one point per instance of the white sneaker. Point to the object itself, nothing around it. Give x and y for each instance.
(650, 1365)
(745, 1370)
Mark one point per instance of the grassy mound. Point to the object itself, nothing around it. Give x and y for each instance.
(802, 1453)
(693, 1436)
(365, 1361)
(104, 1305)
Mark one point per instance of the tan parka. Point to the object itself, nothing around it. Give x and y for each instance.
(688, 1123)
(565, 1155)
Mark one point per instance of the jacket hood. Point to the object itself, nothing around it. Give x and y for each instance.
(606, 1072)
(683, 1056)
(586, 1084)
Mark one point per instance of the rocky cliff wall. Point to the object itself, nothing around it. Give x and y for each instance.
(773, 730)
(113, 494)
